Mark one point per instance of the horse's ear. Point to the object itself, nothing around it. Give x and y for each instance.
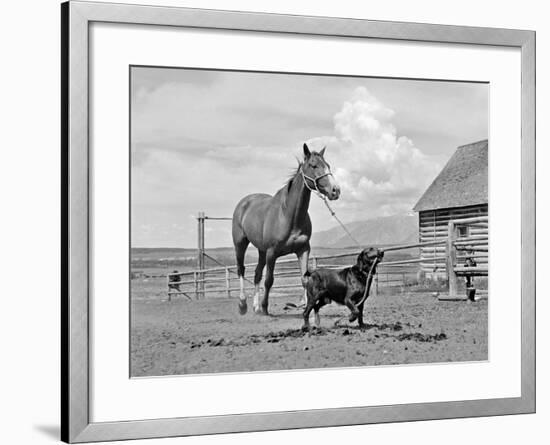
(307, 153)
(322, 152)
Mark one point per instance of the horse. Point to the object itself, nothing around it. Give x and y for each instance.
(280, 225)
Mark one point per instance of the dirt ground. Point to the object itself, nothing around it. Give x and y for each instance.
(209, 336)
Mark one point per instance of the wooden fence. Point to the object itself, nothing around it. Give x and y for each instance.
(223, 279)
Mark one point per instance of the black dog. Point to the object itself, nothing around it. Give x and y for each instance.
(346, 286)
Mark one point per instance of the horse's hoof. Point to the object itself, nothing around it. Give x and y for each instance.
(305, 328)
(352, 318)
(242, 307)
(261, 311)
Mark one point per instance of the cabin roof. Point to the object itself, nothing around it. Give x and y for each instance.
(462, 182)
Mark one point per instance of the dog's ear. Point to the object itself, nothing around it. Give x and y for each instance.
(360, 260)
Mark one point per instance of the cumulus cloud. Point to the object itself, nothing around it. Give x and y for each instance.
(380, 172)
(202, 140)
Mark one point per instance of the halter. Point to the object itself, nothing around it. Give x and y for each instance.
(315, 188)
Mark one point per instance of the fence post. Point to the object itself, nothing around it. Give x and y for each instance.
(227, 282)
(314, 262)
(168, 284)
(200, 253)
(451, 260)
(196, 285)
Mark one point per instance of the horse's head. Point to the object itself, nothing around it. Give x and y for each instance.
(317, 174)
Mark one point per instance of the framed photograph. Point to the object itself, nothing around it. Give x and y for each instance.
(312, 221)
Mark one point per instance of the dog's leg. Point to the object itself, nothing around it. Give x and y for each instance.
(306, 313)
(360, 316)
(317, 318)
(351, 306)
(321, 301)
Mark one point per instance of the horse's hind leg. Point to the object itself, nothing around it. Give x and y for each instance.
(257, 279)
(240, 249)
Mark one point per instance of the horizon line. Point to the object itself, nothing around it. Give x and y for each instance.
(230, 247)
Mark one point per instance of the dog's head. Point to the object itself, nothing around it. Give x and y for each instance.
(367, 257)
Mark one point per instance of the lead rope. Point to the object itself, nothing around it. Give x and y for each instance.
(367, 284)
(333, 213)
(324, 199)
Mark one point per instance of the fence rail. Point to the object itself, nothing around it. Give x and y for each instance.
(451, 250)
(204, 281)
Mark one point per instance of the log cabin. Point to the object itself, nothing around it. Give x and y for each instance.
(459, 191)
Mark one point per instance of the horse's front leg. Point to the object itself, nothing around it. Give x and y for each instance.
(303, 260)
(270, 270)
(257, 279)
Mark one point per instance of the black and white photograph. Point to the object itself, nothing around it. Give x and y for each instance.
(240, 222)
(286, 221)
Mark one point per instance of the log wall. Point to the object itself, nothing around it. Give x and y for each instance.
(433, 226)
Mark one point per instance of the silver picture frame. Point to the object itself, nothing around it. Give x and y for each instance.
(76, 18)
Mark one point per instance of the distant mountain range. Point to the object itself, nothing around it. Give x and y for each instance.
(396, 229)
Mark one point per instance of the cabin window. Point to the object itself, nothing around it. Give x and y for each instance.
(463, 231)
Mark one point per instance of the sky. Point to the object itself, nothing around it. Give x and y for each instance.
(201, 140)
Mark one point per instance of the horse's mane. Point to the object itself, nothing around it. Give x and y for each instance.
(286, 188)
(293, 175)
